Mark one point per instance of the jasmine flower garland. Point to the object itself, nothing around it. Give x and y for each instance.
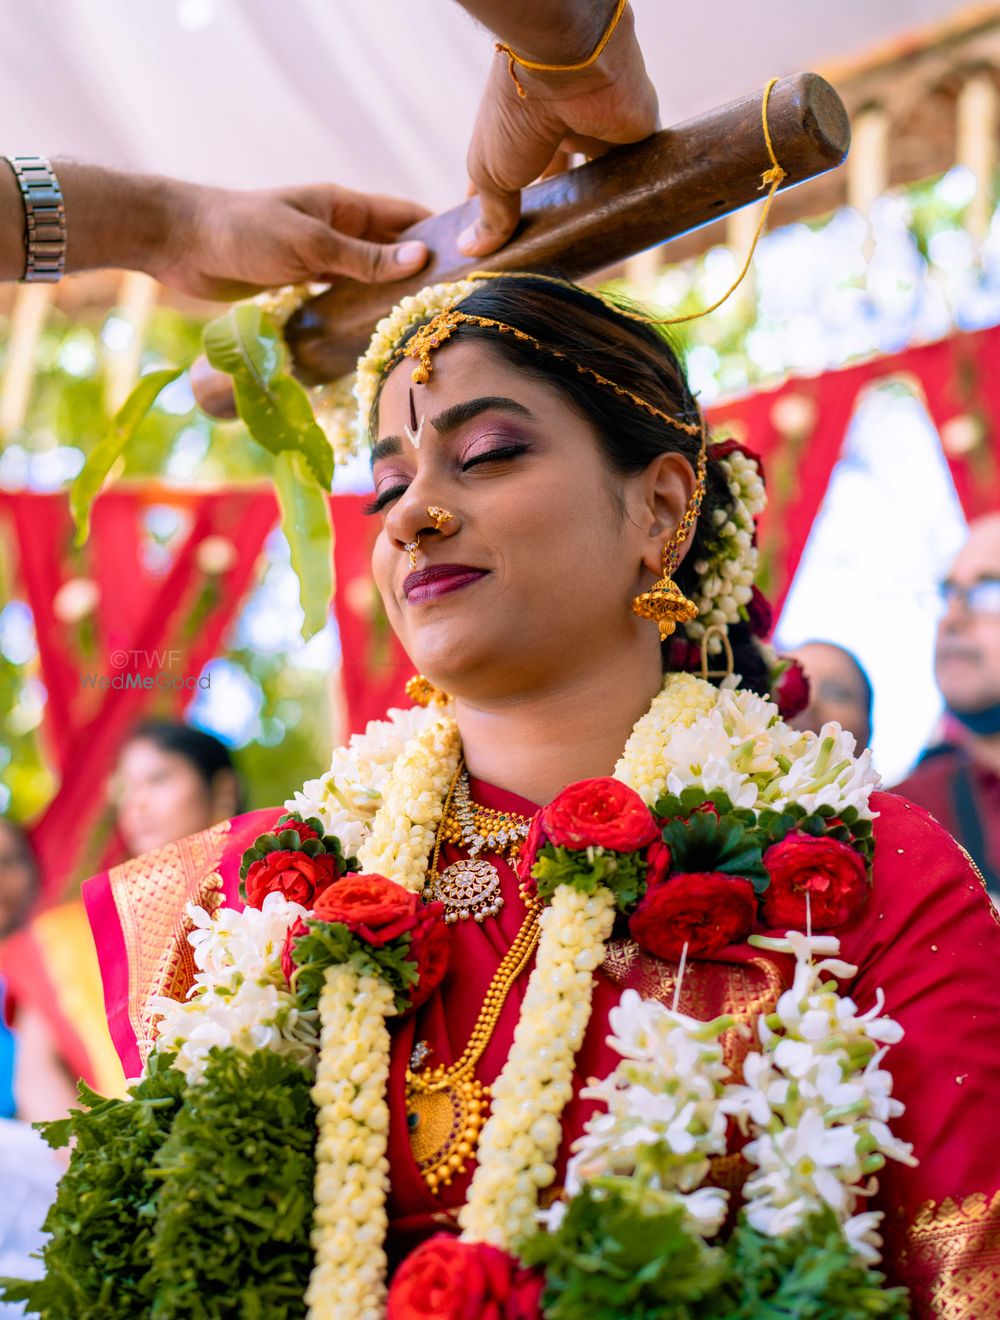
(352, 1173)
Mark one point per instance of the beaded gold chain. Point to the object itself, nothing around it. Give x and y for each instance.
(447, 1106)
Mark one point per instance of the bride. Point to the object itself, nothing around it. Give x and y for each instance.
(562, 552)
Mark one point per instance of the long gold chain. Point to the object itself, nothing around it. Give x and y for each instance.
(511, 966)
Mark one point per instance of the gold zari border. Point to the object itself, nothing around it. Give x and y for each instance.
(951, 1258)
(150, 895)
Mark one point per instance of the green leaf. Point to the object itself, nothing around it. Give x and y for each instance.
(621, 1250)
(709, 843)
(102, 457)
(305, 521)
(248, 345)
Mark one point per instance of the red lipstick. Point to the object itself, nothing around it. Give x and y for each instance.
(427, 583)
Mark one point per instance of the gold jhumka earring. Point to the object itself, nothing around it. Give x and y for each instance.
(664, 602)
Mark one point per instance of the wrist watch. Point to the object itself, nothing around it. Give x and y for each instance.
(44, 218)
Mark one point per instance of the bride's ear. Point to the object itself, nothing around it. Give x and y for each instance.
(667, 486)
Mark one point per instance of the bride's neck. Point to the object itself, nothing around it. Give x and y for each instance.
(536, 743)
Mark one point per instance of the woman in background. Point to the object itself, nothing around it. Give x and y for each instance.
(171, 781)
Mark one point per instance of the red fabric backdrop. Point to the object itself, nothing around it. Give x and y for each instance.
(798, 429)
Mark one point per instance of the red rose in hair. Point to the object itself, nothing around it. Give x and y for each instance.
(603, 813)
(375, 909)
(445, 1279)
(724, 448)
(706, 911)
(832, 873)
(430, 949)
(760, 614)
(792, 691)
(295, 874)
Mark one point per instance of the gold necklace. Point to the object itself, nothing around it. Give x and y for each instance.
(446, 1107)
(470, 887)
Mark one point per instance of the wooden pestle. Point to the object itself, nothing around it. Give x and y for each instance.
(590, 217)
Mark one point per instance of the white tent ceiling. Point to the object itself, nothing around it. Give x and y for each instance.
(374, 94)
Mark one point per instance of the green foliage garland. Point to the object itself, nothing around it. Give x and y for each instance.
(103, 1217)
(235, 1210)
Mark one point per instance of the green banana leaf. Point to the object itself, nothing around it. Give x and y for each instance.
(305, 520)
(102, 457)
(247, 345)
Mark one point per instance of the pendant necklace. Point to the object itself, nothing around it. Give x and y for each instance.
(470, 887)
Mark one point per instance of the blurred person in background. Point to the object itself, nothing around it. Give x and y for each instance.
(172, 781)
(839, 689)
(958, 779)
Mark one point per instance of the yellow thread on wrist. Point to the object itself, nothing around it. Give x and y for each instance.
(535, 66)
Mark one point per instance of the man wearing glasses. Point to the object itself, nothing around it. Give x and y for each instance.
(959, 781)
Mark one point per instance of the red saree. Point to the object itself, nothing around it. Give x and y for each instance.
(928, 936)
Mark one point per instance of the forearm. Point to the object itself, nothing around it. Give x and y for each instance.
(546, 31)
(113, 218)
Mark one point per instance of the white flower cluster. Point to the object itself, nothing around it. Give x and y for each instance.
(239, 997)
(662, 1120)
(682, 700)
(522, 1136)
(352, 1172)
(726, 577)
(742, 747)
(402, 833)
(818, 1102)
(348, 796)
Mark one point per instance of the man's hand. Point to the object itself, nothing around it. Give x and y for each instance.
(515, 138)
(224, 243)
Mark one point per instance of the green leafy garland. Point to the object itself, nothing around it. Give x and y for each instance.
(191, 1202)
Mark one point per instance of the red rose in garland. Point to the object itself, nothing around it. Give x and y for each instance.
(296, 875)
(706, 911)
(601, 813)
(832, 873)
(375, 909)
(445, 1279)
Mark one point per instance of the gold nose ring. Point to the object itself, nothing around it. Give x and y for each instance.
(439, 516)
(411, 550)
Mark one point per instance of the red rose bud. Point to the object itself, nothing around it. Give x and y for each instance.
(301, 829)
(792, 691)
(300, 878)
(287, 962)
(830, 872)
(760, 614)
(706, 911)
(375, 909)
(657, 863)
(599, 813)
(445, 1279)
(430, 949)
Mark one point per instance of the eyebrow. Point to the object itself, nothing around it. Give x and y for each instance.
(451, 419)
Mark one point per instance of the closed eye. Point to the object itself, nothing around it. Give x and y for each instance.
(500, 454)
(383, 499)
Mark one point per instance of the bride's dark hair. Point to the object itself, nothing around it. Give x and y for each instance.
(591, 332)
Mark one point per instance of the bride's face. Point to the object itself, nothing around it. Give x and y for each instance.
(531, 580)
